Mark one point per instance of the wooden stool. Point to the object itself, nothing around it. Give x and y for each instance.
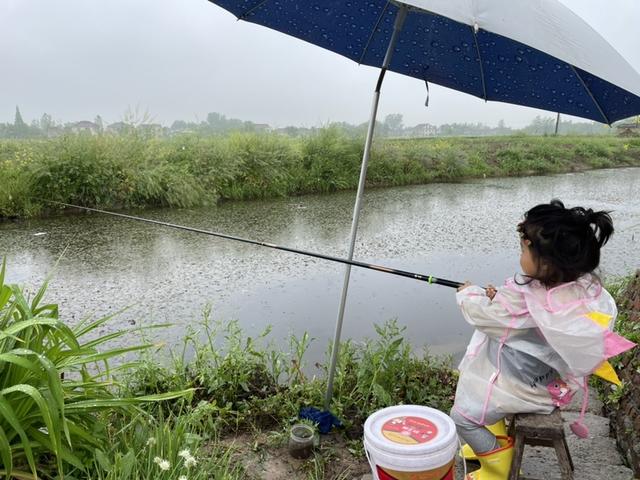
(540, 430)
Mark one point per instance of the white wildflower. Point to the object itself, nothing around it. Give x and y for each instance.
(190, 462)
(182, 477)
(184, 453)
(151, 442)
(163, 464)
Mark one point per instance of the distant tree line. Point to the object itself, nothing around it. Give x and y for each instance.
(218, 124)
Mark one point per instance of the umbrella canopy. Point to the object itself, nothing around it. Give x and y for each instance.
(527, 52)
(537, 54)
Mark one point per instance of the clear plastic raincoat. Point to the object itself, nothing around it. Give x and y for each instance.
(533, 347)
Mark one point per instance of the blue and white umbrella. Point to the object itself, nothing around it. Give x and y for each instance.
(527, 52)
(536, 53)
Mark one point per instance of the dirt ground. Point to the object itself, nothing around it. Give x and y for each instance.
(265, 456)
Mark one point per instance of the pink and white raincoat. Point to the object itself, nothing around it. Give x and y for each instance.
(533, 347)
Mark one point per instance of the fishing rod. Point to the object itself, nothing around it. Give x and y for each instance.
(430, 279)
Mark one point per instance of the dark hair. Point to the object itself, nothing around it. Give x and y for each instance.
(565, 242)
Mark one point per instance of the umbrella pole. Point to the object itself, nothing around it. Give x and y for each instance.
(397, 27)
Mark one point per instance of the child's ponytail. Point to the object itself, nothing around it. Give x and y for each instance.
(602, 226)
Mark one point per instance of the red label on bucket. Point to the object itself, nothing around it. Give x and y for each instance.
(436, 474)
(409, 430)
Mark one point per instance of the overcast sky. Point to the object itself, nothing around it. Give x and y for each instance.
(179, 59)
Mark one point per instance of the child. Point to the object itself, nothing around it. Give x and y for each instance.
(536, 338)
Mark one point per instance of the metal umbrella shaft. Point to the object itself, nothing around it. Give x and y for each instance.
(397, 27)
(371, 266)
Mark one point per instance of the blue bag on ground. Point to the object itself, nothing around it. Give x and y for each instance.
(324, 419)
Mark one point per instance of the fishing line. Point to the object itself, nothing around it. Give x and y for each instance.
(430, 279)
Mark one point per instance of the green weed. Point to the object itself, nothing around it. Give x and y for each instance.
(161, 448)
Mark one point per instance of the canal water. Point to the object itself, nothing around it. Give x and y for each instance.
(457, 231)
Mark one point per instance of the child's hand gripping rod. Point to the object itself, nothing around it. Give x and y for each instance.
(430, 279)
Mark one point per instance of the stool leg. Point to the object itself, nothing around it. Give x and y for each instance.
(563, 459)
(518, 450)
(511, 422)
(566, 447)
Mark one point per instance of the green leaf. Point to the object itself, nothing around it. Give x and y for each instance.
(5, 295)
(18, 475)
(128, 462)
(9, 415)
(40, 294)
(50, 421)
(24, 324)
(103, 460)
(64, 453)
(11, 357)
(97, 357)
(53, 381)
(5, 448)
(98, 404)
(82, 329)
(2, 270)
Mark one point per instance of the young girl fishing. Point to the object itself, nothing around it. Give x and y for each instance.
(539, 335)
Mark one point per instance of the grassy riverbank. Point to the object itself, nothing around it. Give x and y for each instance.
(186, 171)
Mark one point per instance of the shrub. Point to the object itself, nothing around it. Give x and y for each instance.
(264, 162)
(330, 162)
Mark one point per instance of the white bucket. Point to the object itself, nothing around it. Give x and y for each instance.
(411, 442)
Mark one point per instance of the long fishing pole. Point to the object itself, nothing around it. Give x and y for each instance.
(430, 279)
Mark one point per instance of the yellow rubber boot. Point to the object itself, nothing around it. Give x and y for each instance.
(495, 465)
(498, 429)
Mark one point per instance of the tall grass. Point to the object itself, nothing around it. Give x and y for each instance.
(189, 170)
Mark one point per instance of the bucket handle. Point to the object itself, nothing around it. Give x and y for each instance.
(374, 468)
(464, 462)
